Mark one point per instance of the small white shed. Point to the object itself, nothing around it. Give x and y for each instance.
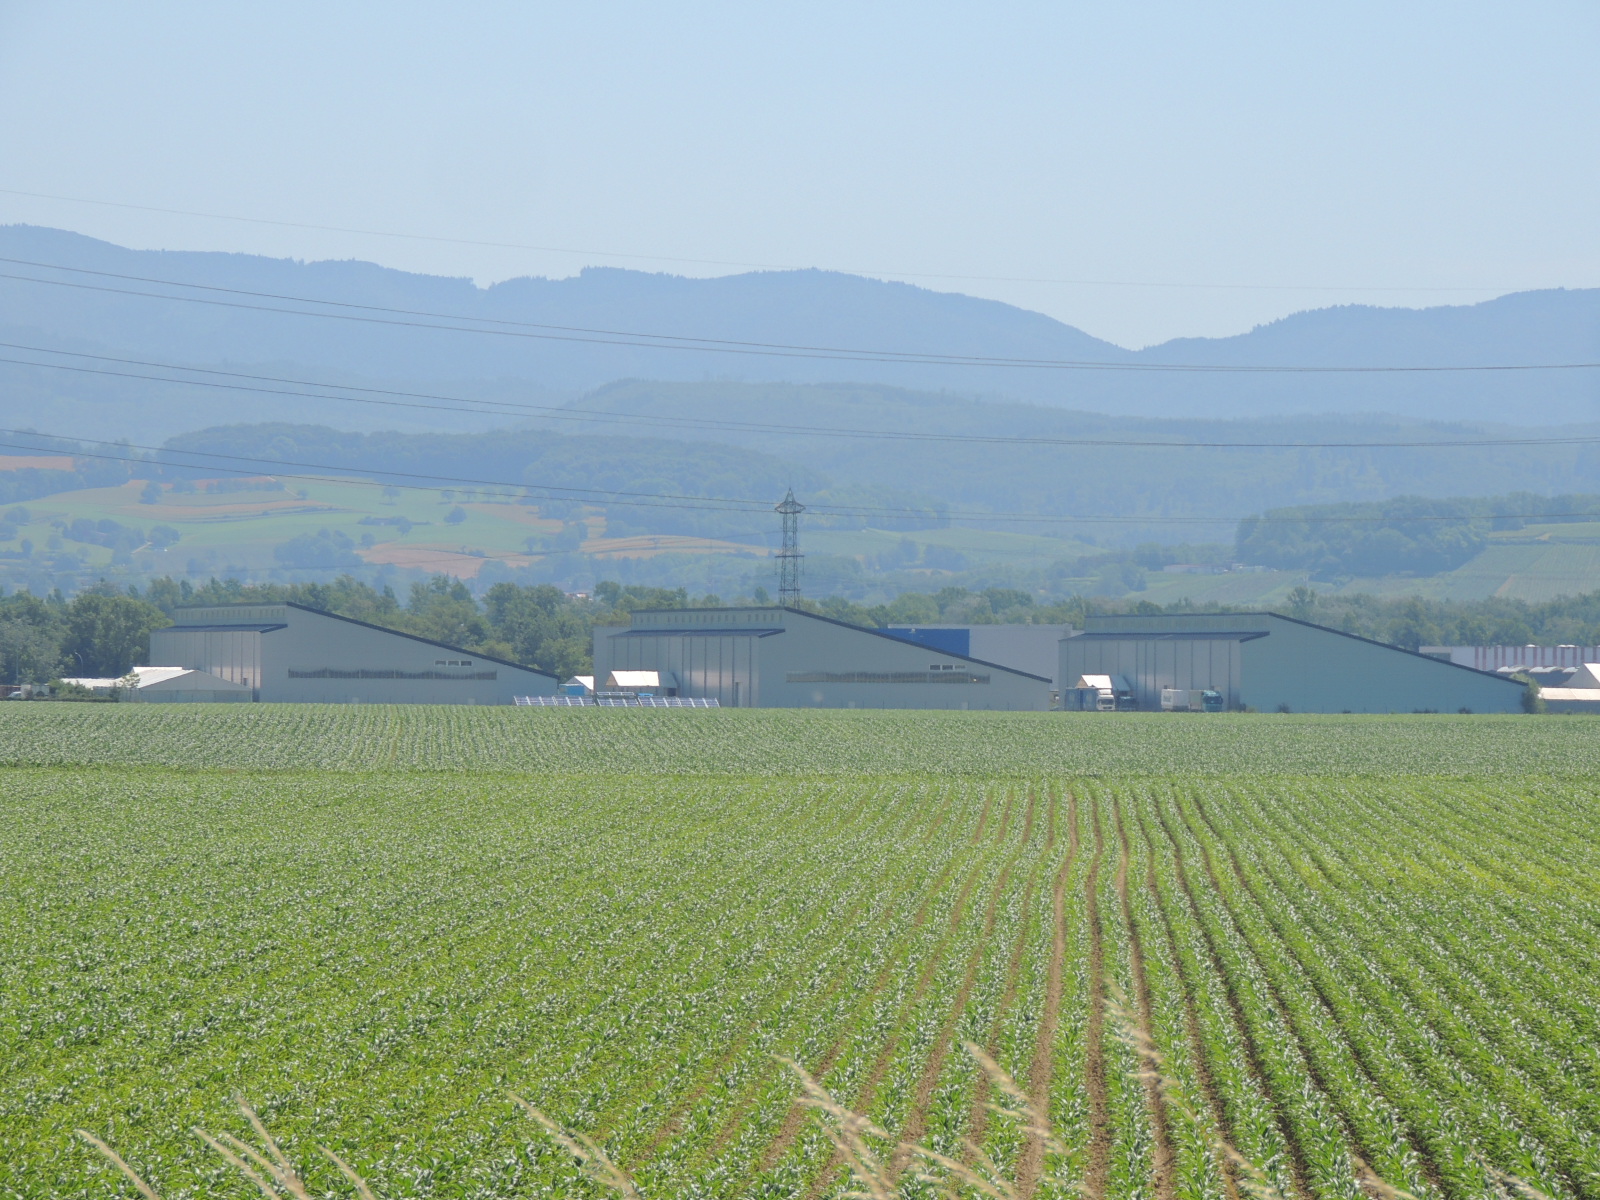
(167, 684)
(178, 685)
(652, 683)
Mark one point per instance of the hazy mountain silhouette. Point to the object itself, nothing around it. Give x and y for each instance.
(810, 308)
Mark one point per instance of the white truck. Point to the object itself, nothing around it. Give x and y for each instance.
(1190, 700)
(1101, 693)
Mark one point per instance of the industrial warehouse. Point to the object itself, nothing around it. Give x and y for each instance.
(290, 653)
(1265, 662)
(788, 658)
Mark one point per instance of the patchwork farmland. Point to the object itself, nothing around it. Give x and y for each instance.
(1363, 949)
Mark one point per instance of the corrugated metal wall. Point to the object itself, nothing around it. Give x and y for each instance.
(1274, 663)
(770, 657)
(722, 667)
(314, 657)
(235, 655)
(1150, 664)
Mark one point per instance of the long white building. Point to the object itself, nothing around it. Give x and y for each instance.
(287, 653)
(770, 657)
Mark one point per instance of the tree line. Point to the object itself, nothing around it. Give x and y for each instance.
(105, 630)
(1403, 535)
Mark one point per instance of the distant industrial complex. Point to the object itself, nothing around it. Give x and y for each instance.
(784, 656)
(778, 656)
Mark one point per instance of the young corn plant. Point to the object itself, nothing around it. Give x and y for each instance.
(868, 1151)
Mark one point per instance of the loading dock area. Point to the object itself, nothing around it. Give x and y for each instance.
(1271, 663)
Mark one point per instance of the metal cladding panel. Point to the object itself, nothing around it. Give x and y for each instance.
(949, 639)
(1493, 658)
(778, 658)
(234, 655)
(195, 696)
(321, 659)
(1180, 624)
(722, 666)
(820, 664)
(1031, 648)
(1305, 668)
(1288, 665)
(1034, 649)
(311, 657)
(1153, 664)
(235, 614)
(602, 658)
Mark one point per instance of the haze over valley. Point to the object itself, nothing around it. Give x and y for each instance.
(590, 395)
(1066, 332)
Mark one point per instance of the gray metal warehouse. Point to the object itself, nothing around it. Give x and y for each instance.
(1032, 648)
(290, 653)
(1273, 663)
(767, 657)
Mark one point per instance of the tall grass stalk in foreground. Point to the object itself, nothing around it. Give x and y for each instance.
(595, 1160)
(1244, 1175)
(255, 1165)
(867, 1150)
(853, 1136)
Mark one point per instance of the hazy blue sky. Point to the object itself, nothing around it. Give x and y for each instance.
(1349, 145)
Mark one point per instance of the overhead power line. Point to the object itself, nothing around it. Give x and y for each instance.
(491, 326)
(267, 466)
(460, 404)
(752, 266)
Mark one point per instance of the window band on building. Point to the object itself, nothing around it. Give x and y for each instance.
(367, 673)
(940, 676)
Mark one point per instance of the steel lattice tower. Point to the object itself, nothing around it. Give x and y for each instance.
(789, 557)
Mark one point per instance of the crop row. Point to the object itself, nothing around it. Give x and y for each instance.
(1331, 975)
(1350, 996)
(782, 743)
(377, 959)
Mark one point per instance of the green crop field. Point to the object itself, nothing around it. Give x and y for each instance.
(1354, 941)
(776, 742)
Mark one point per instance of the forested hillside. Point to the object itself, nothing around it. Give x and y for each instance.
(1408, 534)
(1015, 458)
(644, 484)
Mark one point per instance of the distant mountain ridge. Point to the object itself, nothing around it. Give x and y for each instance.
(809, 308)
